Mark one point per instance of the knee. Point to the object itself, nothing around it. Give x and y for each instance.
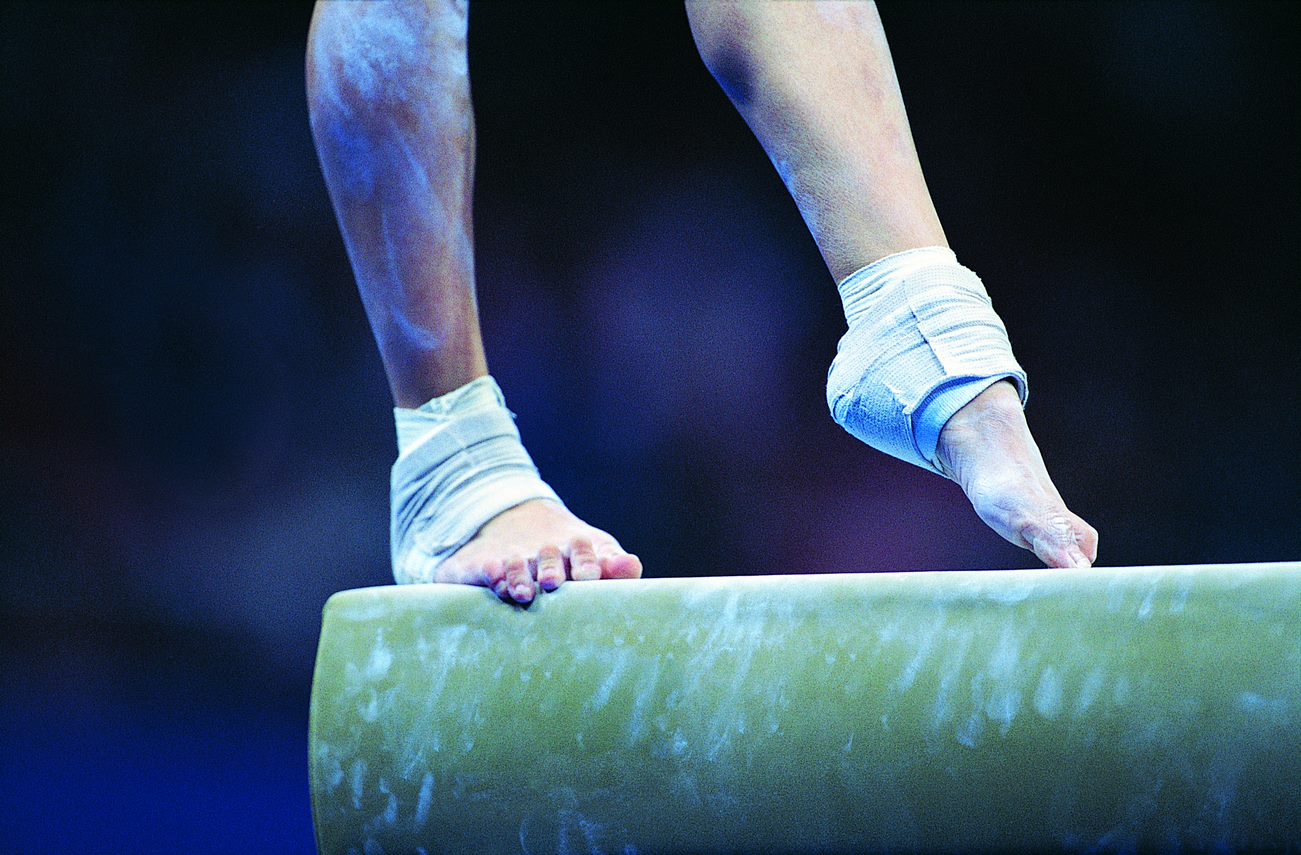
(365, 55)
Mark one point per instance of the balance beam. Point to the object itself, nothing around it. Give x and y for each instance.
(1149, 707)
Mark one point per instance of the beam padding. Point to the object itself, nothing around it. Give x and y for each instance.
(1153, 707)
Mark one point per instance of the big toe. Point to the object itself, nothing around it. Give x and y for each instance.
(1060, 538)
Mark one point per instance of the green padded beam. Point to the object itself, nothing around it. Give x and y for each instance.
(1149, 707)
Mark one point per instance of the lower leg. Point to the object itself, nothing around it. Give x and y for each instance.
(389, 100)
(816, 84)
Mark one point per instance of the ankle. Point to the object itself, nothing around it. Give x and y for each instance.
(988, 418)
(997, 404)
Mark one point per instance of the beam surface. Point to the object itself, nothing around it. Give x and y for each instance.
(1150, 707)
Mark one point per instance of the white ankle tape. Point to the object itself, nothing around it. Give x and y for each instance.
(923, 341)
(460, 463)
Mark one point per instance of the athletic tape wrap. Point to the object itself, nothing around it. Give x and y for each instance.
(460, 463)
(923, 341)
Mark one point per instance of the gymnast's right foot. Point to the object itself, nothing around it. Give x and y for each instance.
(535, 547)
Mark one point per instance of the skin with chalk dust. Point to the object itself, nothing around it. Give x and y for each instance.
(392, 121)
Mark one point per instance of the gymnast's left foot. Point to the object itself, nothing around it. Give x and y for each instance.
(987, 449)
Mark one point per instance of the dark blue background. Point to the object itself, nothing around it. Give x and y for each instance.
(197, 435)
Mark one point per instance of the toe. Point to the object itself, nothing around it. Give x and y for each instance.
(519, 581)
(617, 564)
(1087, 537)
(494, 576)
(583, 565)
(1056, 537)
(551, 568)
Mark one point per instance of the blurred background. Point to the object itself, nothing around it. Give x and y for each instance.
(197, 431)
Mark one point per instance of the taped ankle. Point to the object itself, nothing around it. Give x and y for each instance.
(460, 463)
(923, 341)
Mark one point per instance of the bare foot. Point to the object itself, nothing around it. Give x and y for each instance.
(987, 449)
(536, 546)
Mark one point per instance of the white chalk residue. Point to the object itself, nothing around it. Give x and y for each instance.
(381, 658)
(425, 799)
(1048, 694)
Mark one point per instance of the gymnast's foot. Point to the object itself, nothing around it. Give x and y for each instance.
(986, 448)
(536, 546)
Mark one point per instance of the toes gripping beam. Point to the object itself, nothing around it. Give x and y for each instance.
(1155, 707)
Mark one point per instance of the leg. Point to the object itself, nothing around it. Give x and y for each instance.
(816, 84)
(389, 99)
